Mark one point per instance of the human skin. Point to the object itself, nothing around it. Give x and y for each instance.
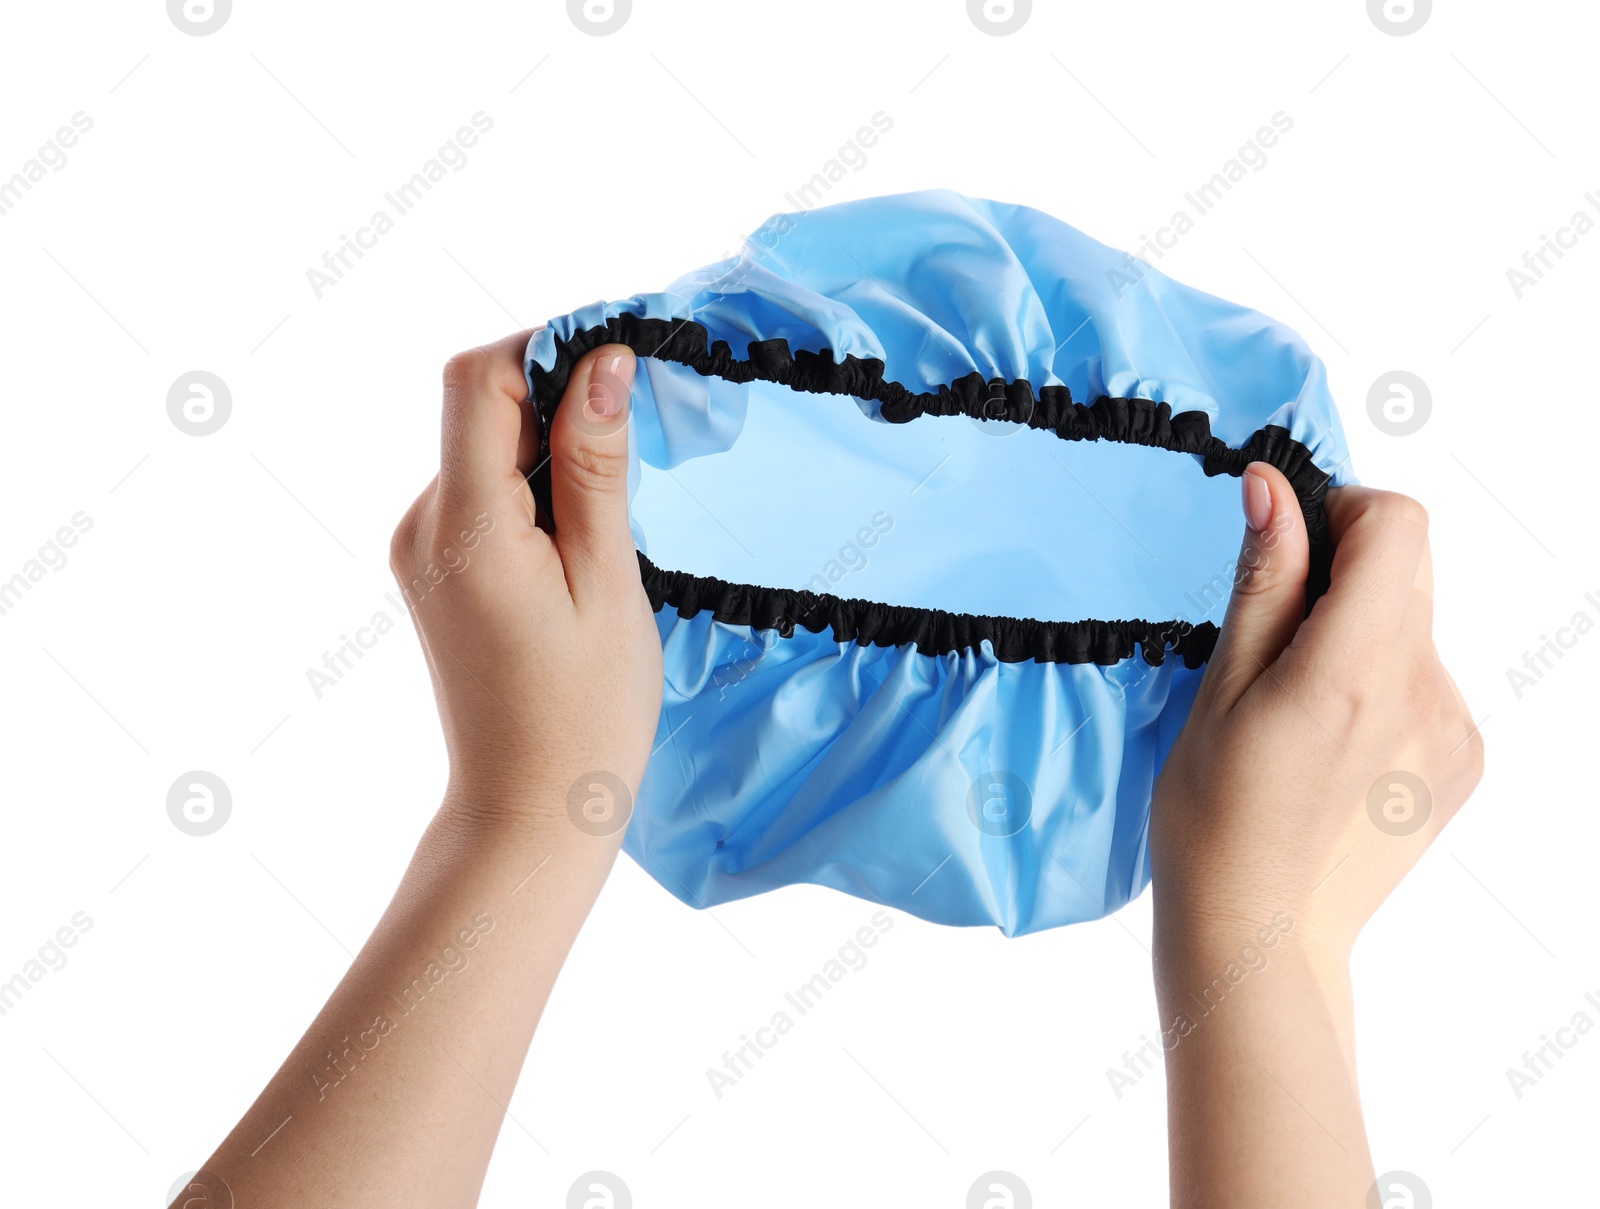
(546, 669)
(1261, 819)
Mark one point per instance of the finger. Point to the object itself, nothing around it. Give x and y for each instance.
(1379, 542)
(589, 474)
(1269, 591)
(485, 415)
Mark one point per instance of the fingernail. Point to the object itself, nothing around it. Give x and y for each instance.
(604, 400)
(1257, 493)
(619, 365)
(609, 381)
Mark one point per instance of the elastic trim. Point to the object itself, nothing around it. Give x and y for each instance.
(933, 631)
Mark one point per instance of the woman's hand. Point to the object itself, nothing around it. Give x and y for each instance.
(1323, 753)
(547, 670)
(544, 654)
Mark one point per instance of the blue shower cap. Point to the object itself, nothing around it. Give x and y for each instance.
(926, 495)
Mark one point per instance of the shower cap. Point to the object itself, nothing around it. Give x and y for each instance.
(932, 507)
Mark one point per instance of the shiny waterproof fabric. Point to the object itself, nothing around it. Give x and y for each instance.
(938, 505)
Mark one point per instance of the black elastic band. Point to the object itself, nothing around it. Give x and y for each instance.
(933, 631)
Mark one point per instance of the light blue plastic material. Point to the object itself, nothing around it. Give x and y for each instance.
(955, 786)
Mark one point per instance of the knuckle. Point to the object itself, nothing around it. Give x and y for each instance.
(403, 542)
(400, 547)
(466, 370)
(1251, 580)
(1254, 573)
(1393, 508)
(593, 466)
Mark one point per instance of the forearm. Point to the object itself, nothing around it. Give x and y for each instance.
(1267, 806)
(545, 661)
(1262, 1103)
(394, 1095)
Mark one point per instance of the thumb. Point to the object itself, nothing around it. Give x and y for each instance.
(589, 474)
(1269, 586)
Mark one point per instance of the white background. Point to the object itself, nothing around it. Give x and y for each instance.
(219, 569)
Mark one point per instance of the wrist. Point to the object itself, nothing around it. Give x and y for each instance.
(1195, 949)
(537, 814)
(1233, 992)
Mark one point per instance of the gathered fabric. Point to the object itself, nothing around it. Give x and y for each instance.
(923, 492)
